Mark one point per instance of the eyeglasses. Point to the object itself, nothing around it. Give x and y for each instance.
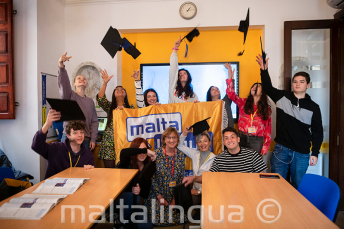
(171, 138)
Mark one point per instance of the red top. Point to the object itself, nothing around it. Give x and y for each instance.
(263, 127)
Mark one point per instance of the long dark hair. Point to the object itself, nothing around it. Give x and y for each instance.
(114, 104)
(146, 94)
(263, 105)
(136, 144)
(209, 94)
(188, 86)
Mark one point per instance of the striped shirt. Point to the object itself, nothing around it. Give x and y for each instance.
(246, 161)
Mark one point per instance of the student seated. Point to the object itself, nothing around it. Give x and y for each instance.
(233, 159)
(63, 155)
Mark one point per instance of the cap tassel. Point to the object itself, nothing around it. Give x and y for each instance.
(241, 53)
(186, 49)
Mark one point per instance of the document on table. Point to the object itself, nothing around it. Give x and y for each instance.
(60, 185)
(29, 206)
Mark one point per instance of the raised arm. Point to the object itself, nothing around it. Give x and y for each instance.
(173, 74)
(38, 144)
(186, 150)
(230, 87)
(65, 89)
(106, 78)
(274, 93)
(139, 94)
(94, 127)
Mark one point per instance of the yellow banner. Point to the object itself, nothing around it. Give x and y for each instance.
(150, 122)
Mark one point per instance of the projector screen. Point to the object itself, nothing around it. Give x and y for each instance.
(203, 76)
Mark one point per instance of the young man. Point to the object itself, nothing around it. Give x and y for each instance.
(233, 159)
(63, 155)
(298, 122)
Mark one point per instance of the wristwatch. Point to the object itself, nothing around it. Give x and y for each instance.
(199, 192)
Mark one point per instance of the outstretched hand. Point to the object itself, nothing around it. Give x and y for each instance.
(259, 60)
(230, 71)
(105, 76)
(151, 154)
(136, 75)
(63, 59)
(187, 130)
(177, 43)
(53, 115)
(188, 180)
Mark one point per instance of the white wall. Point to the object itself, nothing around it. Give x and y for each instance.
(16, 135)
(86, 24)
(51, 44)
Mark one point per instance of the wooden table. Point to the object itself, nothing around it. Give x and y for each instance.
(104, 184)
(248, 190)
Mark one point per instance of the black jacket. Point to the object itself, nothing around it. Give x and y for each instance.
(298, 120)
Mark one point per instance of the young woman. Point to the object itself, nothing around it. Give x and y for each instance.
(214, 94)
(150, 97)
(138, 156)
(254, 116)
(170, 169)
(180, 87)
(86, 104)
(119, 101)
(202, 160)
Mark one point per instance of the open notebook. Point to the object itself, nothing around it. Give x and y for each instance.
(60, 185)
(29, 206)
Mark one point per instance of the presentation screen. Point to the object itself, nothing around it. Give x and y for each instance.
(203, 76)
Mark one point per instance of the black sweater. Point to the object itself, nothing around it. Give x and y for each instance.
(143, 178)
(298, 120)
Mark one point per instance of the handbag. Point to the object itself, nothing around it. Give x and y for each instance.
(10, 187)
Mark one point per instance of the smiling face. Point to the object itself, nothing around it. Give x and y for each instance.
(76, 136)
(300, 84)
(142, 157)
(203, 144)
(80, 81)
(171, 140)
(120, 92)
(151, 98)
(215, 92)
(259, 90)
(231, 141)
(183, 76)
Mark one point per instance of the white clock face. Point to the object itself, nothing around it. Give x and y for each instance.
(188, 10)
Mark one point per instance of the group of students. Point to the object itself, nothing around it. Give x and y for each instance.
(298, 121)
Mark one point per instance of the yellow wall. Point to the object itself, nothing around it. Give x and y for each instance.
(209, 46)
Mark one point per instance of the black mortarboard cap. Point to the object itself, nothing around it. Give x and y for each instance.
(70, 109)
(263, 53)
(200, 126)
(182, 196)
(243, 27)
(130, 49)
(190, 36)
(112, 41)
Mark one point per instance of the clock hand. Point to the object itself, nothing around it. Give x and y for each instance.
(188, 9)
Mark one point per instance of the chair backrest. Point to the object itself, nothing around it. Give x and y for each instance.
(6, 172)
(59, 129)
(322, 192)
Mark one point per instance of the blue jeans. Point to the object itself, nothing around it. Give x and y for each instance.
(283, 159)
(85, 142)
(128, 199)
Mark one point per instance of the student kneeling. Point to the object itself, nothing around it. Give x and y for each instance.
(63, 155)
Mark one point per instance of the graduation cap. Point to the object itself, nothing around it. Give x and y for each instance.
(113, 43)
(70, 109)
(243, 27)
(190, 36)
(182, 196)
(200, 126)
(263, 53)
